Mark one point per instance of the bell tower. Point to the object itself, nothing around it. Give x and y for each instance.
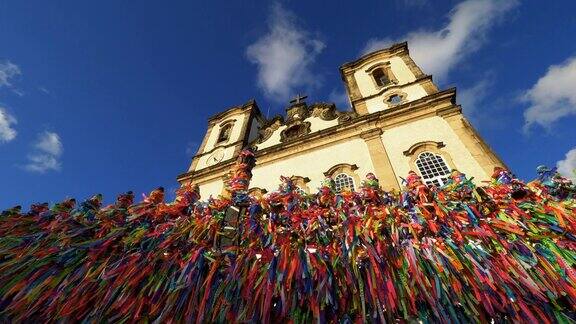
(384, 79)
(228, 132)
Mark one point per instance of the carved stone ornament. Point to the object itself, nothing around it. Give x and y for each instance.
(296, 112)
(324, 111)
(346, 116)
(269, 128)
(295, 124)
(295, 130)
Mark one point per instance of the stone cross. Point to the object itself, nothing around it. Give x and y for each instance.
(298, 98)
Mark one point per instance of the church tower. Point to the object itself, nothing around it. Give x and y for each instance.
(228, 132)
(415, 118)
(385, 79)
(400, 121)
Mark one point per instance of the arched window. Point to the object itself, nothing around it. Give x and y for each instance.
(344, 176)
(380, 77)
(433, 169)
(224, 134)
(342, 181)
(395, 99)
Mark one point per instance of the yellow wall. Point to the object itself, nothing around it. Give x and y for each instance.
(310, 164)
(398, 67)
(213, 137)
(213, 188)
(317, 123)
(413, 92)
(313, 164)
(401, 138)
(403, 74)
(273, 139)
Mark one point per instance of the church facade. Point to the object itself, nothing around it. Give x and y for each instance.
(400, 121)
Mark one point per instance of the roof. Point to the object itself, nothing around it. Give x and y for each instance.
(395, 47)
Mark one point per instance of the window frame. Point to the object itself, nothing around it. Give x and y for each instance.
(432, 168)
(381, 74)
(402, 95)
(224, 126)
(349, 179)
(348, 169)
(395, 96)
(386, 69)
(436, 148)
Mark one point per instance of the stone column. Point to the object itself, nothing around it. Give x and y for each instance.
(354, 95)
(382, 166)
(474, 143)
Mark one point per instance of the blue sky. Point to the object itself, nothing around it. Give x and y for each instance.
(110, 96)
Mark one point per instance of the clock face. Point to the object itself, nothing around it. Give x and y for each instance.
(215, 157)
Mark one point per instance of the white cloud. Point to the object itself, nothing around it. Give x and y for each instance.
(46, 155)
(553, 96)
(567, 166)
(44, 90)
(7, 121)
(284, 56)
(437, 52)
(41, 162)
(8, 70)
(50, 143)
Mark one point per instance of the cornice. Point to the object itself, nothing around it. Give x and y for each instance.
(352, 167)
(217, 147)
(449, 111)
(375, 66)
(414, 147)
(389, 51)
(235, 110)
(209, 173)
(376, 132)
(394, 87)
(387, 118)
(391, 117)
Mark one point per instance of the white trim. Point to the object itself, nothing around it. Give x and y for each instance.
(433, 168)
(345, 181)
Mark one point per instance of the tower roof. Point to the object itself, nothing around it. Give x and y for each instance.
(393, 49)
(249, 104)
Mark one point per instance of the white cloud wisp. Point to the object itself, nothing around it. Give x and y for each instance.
(553, 96)
(437, 52)
(567, 167)
(284, 56)
(7, 122)
(47, 152)
(8, 70)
